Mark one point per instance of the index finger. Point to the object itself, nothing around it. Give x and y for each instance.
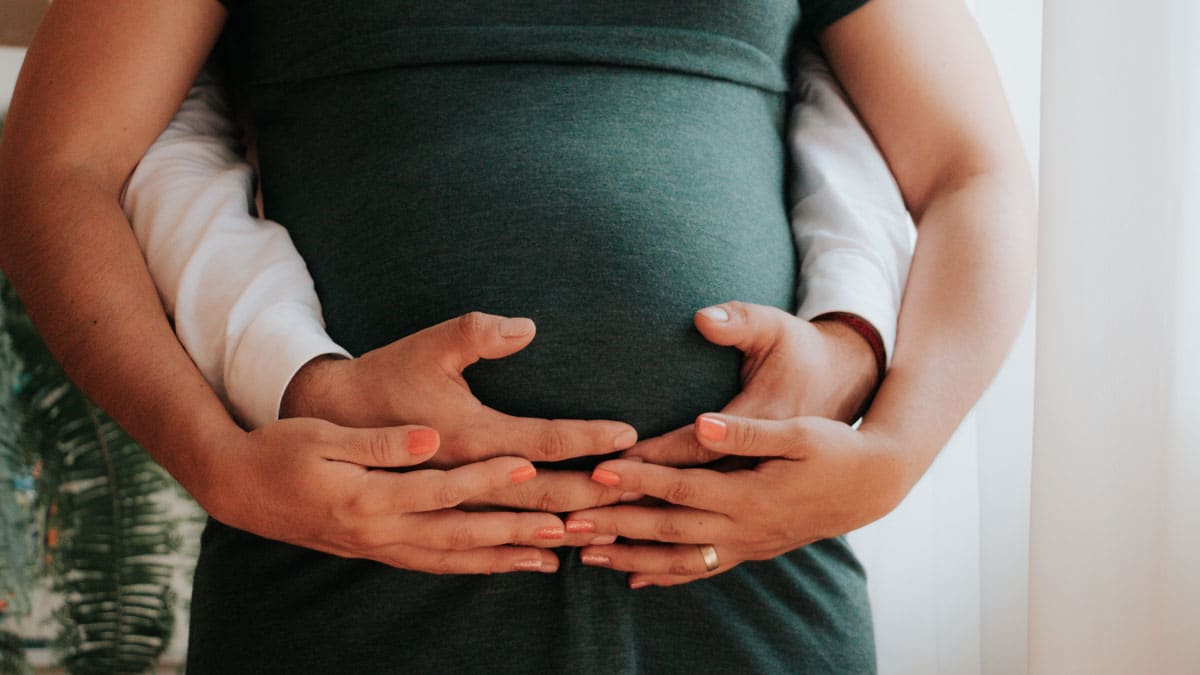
(678, 448)
(542, 440)
(698, 488)
(433, 490)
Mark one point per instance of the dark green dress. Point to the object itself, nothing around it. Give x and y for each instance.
(605, 167)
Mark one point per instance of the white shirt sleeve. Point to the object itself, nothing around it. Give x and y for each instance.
(854, 236)
(244, 304)
(240, 295)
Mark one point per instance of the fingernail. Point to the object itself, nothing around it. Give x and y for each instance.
(522, 474)
(528, 565)
(631, 496)
(550, 533)
(606, 477)
(511, 328)
(711, 429)
(603, 540)
(595, 559)
(634, 585)
(580, 526)
(715, 314)
(422, 441)
(625, 440)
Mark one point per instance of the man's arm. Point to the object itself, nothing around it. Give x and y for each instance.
(852, 231)
(241, 297)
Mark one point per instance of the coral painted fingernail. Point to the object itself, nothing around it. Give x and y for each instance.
(422, 441)
(528, 565)
(603, 540)
(625, 440)
(580, 526)
(715, 314)
(606, 477)
(550, 533)
(634, 585)
(510, 328)
(595, 559)
(522, 474)
(711, 428)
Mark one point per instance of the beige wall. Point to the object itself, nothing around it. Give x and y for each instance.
(18, 20)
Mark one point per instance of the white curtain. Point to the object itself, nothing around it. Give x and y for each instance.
(1116, 483)
(1107, 579)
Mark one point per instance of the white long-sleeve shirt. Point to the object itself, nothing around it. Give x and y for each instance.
(243, 301)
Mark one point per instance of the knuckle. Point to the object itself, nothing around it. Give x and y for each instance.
(551, 501)
(553, 444)
(460, 538)
(679, 491)
(356, 505)
(379, 448)
(448, 495)
(668, 529)
(747, 436)
(472, 325)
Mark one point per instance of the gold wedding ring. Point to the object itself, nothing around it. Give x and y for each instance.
(711, 562)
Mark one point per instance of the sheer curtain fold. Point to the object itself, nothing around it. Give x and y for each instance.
(1116, 513)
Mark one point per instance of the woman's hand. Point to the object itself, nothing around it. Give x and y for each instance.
(786, 479)
(314, 484)
(418, 380)
(790, 368)
(815, 478)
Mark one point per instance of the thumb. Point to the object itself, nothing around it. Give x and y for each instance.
(751, 328)
(459, 342)
(386, 447)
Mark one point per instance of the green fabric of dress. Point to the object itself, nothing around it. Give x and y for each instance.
(605, 168)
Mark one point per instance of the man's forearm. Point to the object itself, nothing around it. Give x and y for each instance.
(241, 297)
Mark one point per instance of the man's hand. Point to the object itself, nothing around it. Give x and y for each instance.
(815, 478)
(418, 380)
(791, 368)
(313, 484)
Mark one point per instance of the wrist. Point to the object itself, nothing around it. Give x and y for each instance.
(310, 390)
(858, 350)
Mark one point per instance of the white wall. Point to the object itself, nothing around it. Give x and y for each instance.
(10, 64)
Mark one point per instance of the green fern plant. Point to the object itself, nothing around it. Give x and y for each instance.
(107, 528)
(17, 556)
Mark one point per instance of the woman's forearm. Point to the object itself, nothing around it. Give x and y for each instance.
(69, 252)
(967, 293)
(89, 100)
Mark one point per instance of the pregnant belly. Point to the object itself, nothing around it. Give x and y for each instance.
(606, 204)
